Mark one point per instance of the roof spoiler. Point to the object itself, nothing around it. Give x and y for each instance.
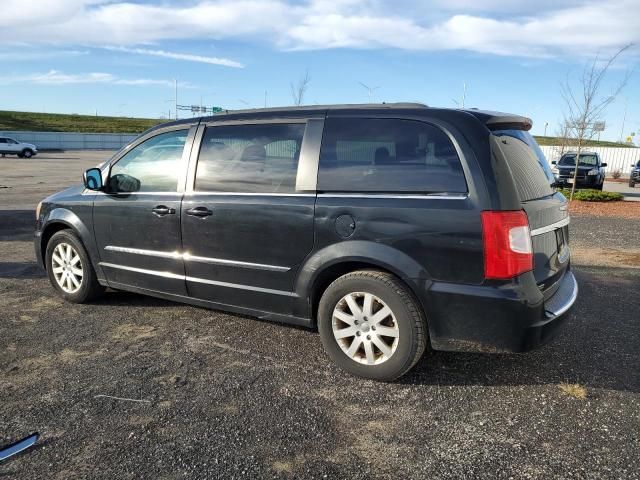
(500, 121)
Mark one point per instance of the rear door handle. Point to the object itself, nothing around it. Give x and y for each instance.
(199, 212)
(162, 210)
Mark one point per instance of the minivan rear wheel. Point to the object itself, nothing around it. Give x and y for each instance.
(69, 268)
(371, 325)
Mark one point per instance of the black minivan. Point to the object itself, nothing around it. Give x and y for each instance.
(388, 227)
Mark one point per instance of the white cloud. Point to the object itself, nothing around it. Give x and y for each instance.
(530, 29)
(179, 56)
(55, 77)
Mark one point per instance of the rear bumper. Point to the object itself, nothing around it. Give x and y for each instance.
(507, 318)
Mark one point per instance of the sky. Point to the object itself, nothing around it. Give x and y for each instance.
(115, 57)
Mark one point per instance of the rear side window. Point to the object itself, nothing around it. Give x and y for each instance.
(250, 158)
(388, 155)
(531, 173)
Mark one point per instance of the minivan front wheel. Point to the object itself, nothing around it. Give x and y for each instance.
(69, 268)
(371, 325)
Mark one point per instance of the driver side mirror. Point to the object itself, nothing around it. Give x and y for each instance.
(603, 165)
(554, 163)
(93, 179)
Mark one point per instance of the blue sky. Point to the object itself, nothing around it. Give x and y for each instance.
(120, 57)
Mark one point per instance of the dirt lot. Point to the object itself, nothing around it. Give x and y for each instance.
(224, 396)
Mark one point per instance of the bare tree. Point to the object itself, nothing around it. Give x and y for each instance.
(298, 91)
(584, 104)
(562, 134)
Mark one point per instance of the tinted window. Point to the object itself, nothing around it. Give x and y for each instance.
(531, 173)
(152, 166)
(388, 155)
(249, 158)
(3, 140)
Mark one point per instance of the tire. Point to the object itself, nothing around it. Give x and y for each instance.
(26, 153)
(406, 321)
(87, 287)
(631, 183)
(599, 187)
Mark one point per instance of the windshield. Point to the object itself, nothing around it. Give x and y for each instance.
(587, 160)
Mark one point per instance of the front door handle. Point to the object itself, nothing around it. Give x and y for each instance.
(199, 212)
(162, 210)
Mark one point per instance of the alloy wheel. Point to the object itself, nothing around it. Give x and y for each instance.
(66, 266)
(365, 328)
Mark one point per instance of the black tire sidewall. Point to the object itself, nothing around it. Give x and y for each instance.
(27, 153)
(402, 358)
(88, 277)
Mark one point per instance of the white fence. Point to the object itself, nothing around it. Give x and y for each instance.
(615, 158)
(73, 141)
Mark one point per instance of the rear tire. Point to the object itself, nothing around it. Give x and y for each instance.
(371, 325)
(70, 270)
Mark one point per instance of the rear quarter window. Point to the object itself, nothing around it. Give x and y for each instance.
(531, 172)
(388, 155)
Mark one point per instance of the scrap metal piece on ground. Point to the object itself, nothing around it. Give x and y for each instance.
(19, 446)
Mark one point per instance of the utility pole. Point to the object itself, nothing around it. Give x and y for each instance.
(265, 99)
(175, 84)
(464, 93)
(624, 119)
(546, 124)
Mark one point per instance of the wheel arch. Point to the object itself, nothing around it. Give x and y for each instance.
(60, 219)
(330, 263)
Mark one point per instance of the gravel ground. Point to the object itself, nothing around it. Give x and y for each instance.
(225, 396)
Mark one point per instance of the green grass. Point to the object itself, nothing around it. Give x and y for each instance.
(55, 122)
(591, 195)
(553, 141)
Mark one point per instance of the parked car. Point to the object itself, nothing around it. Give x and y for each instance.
(591, 171)
(388, 227)
(634, 177)
(9, 146)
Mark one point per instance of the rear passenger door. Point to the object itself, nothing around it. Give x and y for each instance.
(247, 219)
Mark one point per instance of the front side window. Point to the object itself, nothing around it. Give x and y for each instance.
(249, 158)
(152, 166)
(388, 155)
(3, 140)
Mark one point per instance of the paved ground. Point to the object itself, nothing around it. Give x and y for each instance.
(225, 396)
(631, 194)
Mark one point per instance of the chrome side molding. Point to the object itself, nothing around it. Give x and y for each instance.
(187, 257)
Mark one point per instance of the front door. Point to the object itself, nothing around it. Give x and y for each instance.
(245, 227)
(137, 219)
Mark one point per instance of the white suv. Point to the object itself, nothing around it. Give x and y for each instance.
(13, 147)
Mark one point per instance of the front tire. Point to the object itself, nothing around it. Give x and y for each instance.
(371, 325)
(70, 270)
(631, 183)
(26, 153)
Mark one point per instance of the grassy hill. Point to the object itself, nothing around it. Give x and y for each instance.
(56, 122)
(590, 143)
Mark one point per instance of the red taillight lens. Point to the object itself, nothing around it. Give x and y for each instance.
(507, 244)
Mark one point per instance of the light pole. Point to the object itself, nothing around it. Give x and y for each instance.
(370, 90)
(546, 124)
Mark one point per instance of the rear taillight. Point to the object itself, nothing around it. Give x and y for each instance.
(507, 244)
